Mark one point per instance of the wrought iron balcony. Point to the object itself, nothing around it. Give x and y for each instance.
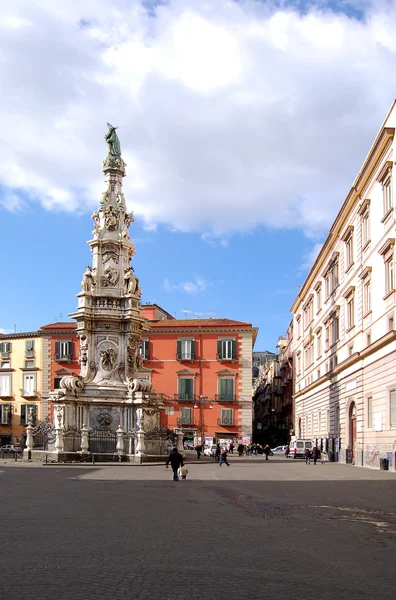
(185, 356)
(65, 357)
(226, 422)
(225, 398)
(185, 397)
(186, 421)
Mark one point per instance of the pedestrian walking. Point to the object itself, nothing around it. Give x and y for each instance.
(198, 449)
(323, 457)
(223, 458)
(307, 456)
(241, 448)
(217, 452)
(266, 451)
(315, 454)
(175, 459)
(231, 448)
(287, 451)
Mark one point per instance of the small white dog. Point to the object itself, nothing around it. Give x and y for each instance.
(182, 472)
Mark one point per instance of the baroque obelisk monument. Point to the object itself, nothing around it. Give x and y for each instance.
(108, 395)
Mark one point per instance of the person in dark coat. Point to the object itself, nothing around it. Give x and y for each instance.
(241, 448)
(315, 454)
(198, 450)
(267, 451)
(175, 459)
(217, 452)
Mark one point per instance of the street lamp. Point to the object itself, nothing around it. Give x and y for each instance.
(198, 404)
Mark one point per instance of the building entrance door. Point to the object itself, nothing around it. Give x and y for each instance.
(352, 429)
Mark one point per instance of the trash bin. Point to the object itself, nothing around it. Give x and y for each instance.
(384, 464)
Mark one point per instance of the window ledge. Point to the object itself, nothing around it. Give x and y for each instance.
(350, 328)
(349, 267)
(366, 245)
(367, 314)
(387, 214)
(388, 294)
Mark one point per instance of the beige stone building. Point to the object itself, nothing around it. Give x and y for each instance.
(344, 321)
(20, 383)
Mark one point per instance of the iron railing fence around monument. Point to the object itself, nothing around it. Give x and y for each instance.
(102, 441)
(71, 439)
(44, 435)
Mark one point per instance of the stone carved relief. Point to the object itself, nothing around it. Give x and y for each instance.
(96, 219)
(131, 283)
(111, 218)
(108, 358)
(128, 219)
(88, 281)
(110, 277)
(71, 384)
(110, 253)
(59, 413)
(138, 385)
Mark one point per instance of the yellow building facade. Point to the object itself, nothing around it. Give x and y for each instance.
(20, 384)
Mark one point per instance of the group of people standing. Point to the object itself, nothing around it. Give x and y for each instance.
(315, 455)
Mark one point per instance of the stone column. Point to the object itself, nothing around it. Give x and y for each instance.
(120, 449)
(180, 446)
(84, 439)
(59, 440)
(29, 437)
(140, 447)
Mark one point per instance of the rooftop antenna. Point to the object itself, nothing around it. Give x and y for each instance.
(186, 312)
(14, 328)
(211, 314)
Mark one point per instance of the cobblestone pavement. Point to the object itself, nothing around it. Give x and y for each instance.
(278, 530)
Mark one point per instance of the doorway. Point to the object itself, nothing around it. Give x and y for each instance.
(352, 428)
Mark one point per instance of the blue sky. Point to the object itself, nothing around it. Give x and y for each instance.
(242, 124)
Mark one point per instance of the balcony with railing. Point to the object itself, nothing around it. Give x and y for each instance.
(190, 421)
(226, 422)
(185, 397)
(225, 397)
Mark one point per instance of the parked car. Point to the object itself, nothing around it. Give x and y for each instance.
(278, 450)
(10, 448)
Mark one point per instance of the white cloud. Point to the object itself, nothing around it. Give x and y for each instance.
(197, 285)
(231, 115)
(310, 257)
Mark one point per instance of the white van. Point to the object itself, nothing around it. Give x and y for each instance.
(298, 447)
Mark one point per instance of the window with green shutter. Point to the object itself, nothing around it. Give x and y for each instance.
(185, 416)
(186, 390)
(226, 350)
(5, 349)
(226, 388)
(28, 413)
(186, 350)
(5, 414)
(64, 350)
(29, 348)
(226, 416)
(145, 350)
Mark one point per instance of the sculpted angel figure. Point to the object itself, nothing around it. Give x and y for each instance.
(87, 282)
(108, 358)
